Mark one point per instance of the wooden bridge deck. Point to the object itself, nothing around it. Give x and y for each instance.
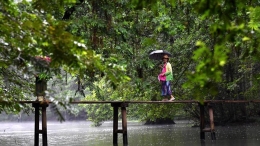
(156, 102)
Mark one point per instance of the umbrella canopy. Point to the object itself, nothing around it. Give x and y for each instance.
(158, 54)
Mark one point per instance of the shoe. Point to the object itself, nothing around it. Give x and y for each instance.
(172, 99)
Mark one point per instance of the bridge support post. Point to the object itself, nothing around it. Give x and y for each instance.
(202, 121)
(37, 131)
(41, 102)
(115, 123)
(36, 124)
(211, 120)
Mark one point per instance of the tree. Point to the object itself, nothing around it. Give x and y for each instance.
(33, 29)
(101, 43)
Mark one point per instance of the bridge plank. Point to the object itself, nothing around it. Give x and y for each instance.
(149, 102)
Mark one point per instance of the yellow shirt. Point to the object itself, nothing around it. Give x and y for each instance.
(168, 72)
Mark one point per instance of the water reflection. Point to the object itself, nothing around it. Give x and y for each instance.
(83, 134)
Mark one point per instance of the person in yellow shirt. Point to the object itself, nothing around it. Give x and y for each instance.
(165, 77)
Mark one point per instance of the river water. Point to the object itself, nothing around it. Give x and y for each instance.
(83, 134)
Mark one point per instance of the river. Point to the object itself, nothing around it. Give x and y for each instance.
(83, 134)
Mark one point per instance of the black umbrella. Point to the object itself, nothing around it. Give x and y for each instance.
(158, 54)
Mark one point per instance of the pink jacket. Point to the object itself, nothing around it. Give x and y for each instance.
(161, 76)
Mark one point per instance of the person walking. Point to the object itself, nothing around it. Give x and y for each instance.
(165, 77)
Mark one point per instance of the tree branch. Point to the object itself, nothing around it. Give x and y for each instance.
(70, 10)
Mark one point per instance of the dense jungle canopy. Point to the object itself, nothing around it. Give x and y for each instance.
(98, 50)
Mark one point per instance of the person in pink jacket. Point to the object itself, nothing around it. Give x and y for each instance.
(165, 77)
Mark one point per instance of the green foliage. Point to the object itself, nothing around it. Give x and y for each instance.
(103, 112)
(105, 46)
(152, 112)
(34, 28)
(254, 18)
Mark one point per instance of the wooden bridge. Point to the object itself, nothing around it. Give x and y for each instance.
(123, 105)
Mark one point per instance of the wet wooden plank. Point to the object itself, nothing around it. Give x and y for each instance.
(150, 102)
(137, 102)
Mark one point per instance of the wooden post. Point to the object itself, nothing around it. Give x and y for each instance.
(44, 125)
(124, 125)
(40, 88)
(36, 124)
(202, 121)
(115, 123)
(211, 119)
(37, 130)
